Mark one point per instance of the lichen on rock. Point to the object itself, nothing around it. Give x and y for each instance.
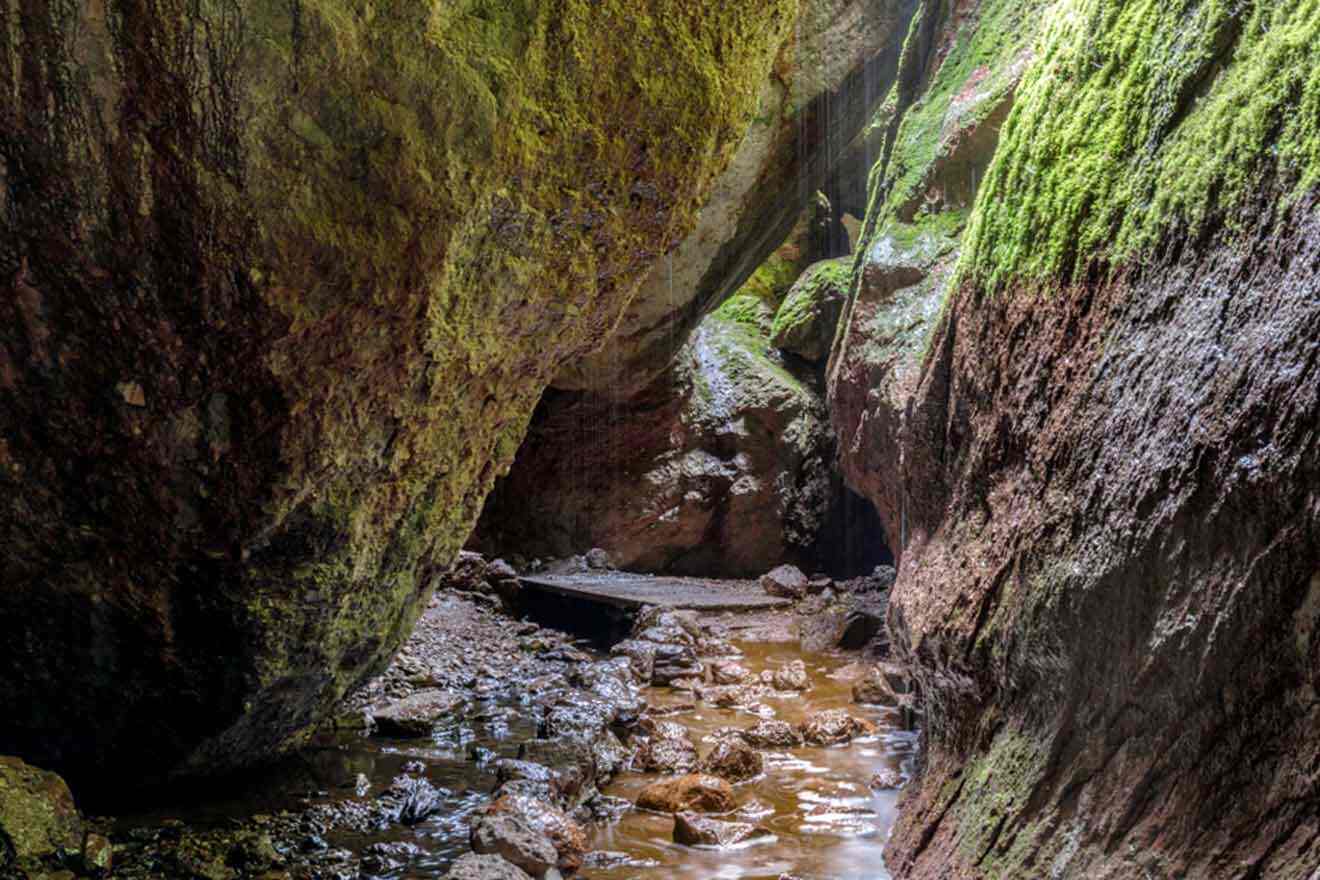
(284, 283)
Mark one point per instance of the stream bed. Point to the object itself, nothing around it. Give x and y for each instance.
(340, 810)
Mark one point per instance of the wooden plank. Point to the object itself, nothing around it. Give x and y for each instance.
(632, 591)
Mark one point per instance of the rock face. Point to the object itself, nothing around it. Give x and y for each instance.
(721, 467)
(282, 285)
(1096, 444)
(813, 117)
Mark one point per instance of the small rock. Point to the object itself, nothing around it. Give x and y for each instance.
(598, 560)
(416, 715)
(640, 655)
(728, 672)
(666, 755)
(791, 677)
(886, 779)
(484, 867)
(414, 799)
(697, 792)
(834, 726)
(693, 830)
(509, 836)
(786, 581)
(733, 760)
(98, 855)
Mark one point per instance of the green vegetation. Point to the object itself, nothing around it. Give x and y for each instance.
(1140, 118)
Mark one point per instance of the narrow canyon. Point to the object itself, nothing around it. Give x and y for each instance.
(784, 440)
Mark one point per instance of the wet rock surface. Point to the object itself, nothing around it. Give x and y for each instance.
(518, 769)
(691, 829)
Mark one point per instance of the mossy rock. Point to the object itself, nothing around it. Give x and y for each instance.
(285, 283)
(39, 823)
(805, 322)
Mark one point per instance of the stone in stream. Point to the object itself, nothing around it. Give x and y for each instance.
(733, 760)
(875, 689)
(410, 799)
(834, 726)
(771, 734)
(416, 715)
(567, 836)
(786, 581)
(691, 829)
(886, 779)
(484, 867)
(640, 656)
(674, 662)
(572, 761)
(666, 755)
(728, 672)
(698, 792)
(731, 696)
(39, 822)
(791, 677)
(511, 837)
(656, 616)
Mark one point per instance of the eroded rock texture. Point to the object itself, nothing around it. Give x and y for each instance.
(722, 466)
(1097, 442)
(281, 285)
(813, 131)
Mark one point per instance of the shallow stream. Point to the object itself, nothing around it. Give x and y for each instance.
(826, 821)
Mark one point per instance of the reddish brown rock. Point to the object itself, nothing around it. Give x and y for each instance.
(733, 760)
(697, 792)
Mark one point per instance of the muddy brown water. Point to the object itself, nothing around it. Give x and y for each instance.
(827, 823)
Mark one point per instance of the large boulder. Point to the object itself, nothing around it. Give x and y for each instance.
(282, 285)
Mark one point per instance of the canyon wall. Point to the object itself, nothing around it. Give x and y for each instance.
(282, 283)
(1080, 378)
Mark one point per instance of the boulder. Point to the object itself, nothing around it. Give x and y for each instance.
(733, 760)
(720, 467)
(833, 727)
(416, 715)
(884, 684)
(39, 824)
(691, 829)
(787, 581)
(809, 314)
(277, 314)
(698, 792)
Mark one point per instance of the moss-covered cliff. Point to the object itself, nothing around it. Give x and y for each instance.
(1090, 421)
(282, 283)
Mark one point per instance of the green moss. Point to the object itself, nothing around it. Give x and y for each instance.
(808, 303)
(1143, 117)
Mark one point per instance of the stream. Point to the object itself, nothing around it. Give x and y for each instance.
(322, 806)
